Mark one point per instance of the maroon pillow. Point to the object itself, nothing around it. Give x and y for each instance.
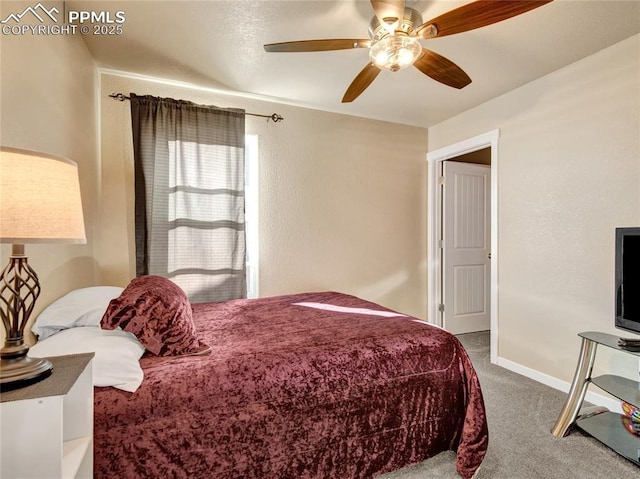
(158, 313)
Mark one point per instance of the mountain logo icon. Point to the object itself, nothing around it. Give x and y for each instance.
(39, 11)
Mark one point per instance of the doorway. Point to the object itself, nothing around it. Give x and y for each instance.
(435, 221)
(465, 249)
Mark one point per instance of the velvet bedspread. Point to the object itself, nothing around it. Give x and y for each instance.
(336, 387)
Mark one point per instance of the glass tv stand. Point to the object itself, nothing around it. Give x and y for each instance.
(599, 422)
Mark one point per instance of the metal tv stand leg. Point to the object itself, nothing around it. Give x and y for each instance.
(581, 380)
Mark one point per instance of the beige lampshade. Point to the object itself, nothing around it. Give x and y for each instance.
(39, 198)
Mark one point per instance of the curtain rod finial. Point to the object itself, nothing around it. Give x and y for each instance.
(119, 96)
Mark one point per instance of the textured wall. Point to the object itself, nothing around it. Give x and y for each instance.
(569, 173)
(48, 104)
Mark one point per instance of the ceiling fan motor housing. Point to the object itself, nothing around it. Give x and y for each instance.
(407, 25)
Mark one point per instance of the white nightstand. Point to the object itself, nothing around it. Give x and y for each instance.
(47, 428)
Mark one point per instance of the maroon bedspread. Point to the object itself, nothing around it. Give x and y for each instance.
(294, 391)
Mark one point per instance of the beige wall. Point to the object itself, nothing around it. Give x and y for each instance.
(342, 199)
(47, 103)
(569, 173)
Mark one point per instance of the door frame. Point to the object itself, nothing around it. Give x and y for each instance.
(434, 220)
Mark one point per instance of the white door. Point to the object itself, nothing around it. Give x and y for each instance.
(466, 246)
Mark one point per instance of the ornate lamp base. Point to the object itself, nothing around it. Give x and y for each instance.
(21, 372)
(19, 289)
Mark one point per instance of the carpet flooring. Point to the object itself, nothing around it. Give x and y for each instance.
(520, 414)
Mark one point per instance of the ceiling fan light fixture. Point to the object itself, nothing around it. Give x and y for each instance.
(395, 52)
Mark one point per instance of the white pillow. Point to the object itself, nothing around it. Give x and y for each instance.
(117, 354)
(82, 307)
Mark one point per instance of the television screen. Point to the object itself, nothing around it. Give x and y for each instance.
(627, 256)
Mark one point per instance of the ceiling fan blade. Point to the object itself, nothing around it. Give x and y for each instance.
(442, 69)
(361, 82)
(318, 45)
(388, 11)
(476, 15)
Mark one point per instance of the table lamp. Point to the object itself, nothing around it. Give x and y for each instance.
(39, 203)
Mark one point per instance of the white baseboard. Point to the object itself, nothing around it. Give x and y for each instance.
(591, 396)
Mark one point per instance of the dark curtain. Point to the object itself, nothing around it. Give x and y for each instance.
(189, 195)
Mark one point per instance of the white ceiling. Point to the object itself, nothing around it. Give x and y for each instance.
(219, 44)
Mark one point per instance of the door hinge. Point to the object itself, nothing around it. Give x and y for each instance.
(441, 180)
(441, 244)
(441, 307)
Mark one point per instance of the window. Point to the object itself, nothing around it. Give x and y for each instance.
(251, 212)
(190, 200)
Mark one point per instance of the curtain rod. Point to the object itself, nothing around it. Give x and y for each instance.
(275, 117)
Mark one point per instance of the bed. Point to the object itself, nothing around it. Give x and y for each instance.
(315, 385)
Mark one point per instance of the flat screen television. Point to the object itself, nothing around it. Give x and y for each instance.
(627, 258)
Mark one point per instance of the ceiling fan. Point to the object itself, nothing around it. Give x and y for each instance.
(394, 44)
